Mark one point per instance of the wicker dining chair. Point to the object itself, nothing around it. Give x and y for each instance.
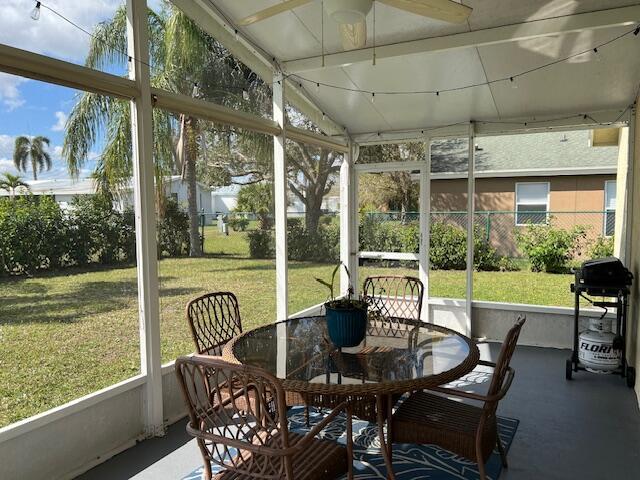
(466, 430)
(394, 296)
(214, 319)
(254, 442)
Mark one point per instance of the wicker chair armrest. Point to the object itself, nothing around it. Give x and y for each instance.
(477, 396)
(237, 444)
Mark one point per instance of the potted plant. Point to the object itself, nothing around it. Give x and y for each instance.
(347, 316)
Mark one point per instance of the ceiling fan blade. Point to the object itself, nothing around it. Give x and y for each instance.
(354, 35)
(271, 11)
(446, 10)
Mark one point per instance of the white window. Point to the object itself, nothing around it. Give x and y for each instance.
(609, 207)
(532, 203)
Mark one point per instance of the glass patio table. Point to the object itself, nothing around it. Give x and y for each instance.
(396, 356)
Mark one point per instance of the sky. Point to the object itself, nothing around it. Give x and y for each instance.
(29, 107)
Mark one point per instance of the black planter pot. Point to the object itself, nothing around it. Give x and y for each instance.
(347, 327)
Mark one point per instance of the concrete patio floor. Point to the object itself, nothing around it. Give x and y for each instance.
(585, 429)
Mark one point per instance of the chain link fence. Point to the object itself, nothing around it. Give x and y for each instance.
(499, 227)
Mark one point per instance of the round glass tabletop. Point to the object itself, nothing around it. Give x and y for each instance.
(396, 356)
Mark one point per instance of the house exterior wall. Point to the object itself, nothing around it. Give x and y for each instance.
(572, 194)
(223, 203)
(567, 193)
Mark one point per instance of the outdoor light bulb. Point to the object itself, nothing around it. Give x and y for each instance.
(373, 97)
(596, 54)
(236, 34)
(317, 87)
(323, 116)
(196, 90)
(35, 13)
(514, 85)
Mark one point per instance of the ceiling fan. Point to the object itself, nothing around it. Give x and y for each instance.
(350, 15)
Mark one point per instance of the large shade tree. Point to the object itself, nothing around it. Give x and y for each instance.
(186, 60)
(31, 152)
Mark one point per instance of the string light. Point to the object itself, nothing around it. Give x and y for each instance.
(35, 13)
(511, 78)
(235, 33)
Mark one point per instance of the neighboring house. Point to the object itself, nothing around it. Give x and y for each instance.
(224, 199)
(552, 177)
(64, 190)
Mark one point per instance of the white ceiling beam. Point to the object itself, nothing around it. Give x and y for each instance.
(208, 18)
(498, 126)
(614, 17)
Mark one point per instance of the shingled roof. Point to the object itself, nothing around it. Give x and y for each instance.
(552, 150)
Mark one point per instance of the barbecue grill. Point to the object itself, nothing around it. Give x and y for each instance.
(608, 280)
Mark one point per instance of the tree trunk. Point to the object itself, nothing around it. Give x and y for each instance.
(313, 206)
(191, 153)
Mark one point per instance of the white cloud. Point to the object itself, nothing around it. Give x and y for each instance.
(9, 93)
(51, 34)
(61, 120)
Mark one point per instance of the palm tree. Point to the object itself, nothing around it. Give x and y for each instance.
(31, 152)
(182, 55)
(11, 183)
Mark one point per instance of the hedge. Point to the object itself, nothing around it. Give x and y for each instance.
(448, 243)
(36, 234)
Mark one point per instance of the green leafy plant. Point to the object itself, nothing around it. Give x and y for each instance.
(601, 247)
(347, 302)
(550, 249)
(261, 244)
(238, 224)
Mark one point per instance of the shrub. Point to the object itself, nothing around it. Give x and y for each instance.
(261, 244)
(238, 224)
(33, 235)
(506, 264)
(448, 247)
(173, 231)
(549, 249)
(602, 247)
(321, 246)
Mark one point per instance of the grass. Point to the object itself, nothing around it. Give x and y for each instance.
(66, 335)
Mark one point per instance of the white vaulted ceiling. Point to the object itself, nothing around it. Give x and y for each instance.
(589, 83)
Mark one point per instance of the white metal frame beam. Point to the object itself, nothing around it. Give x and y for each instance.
(471, 207)
(614, 17)
(145, 217)
(39, 67)
(280, 199)
(348, 219)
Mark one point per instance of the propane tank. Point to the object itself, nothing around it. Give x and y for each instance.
(596, 351)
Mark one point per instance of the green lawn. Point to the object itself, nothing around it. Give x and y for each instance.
(64, 336)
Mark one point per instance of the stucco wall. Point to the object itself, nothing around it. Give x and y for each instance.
(567, 193)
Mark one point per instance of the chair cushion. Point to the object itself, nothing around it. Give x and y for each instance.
(321, 459)
(426, 418)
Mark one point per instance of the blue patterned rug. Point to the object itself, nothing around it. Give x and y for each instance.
(410, 462)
